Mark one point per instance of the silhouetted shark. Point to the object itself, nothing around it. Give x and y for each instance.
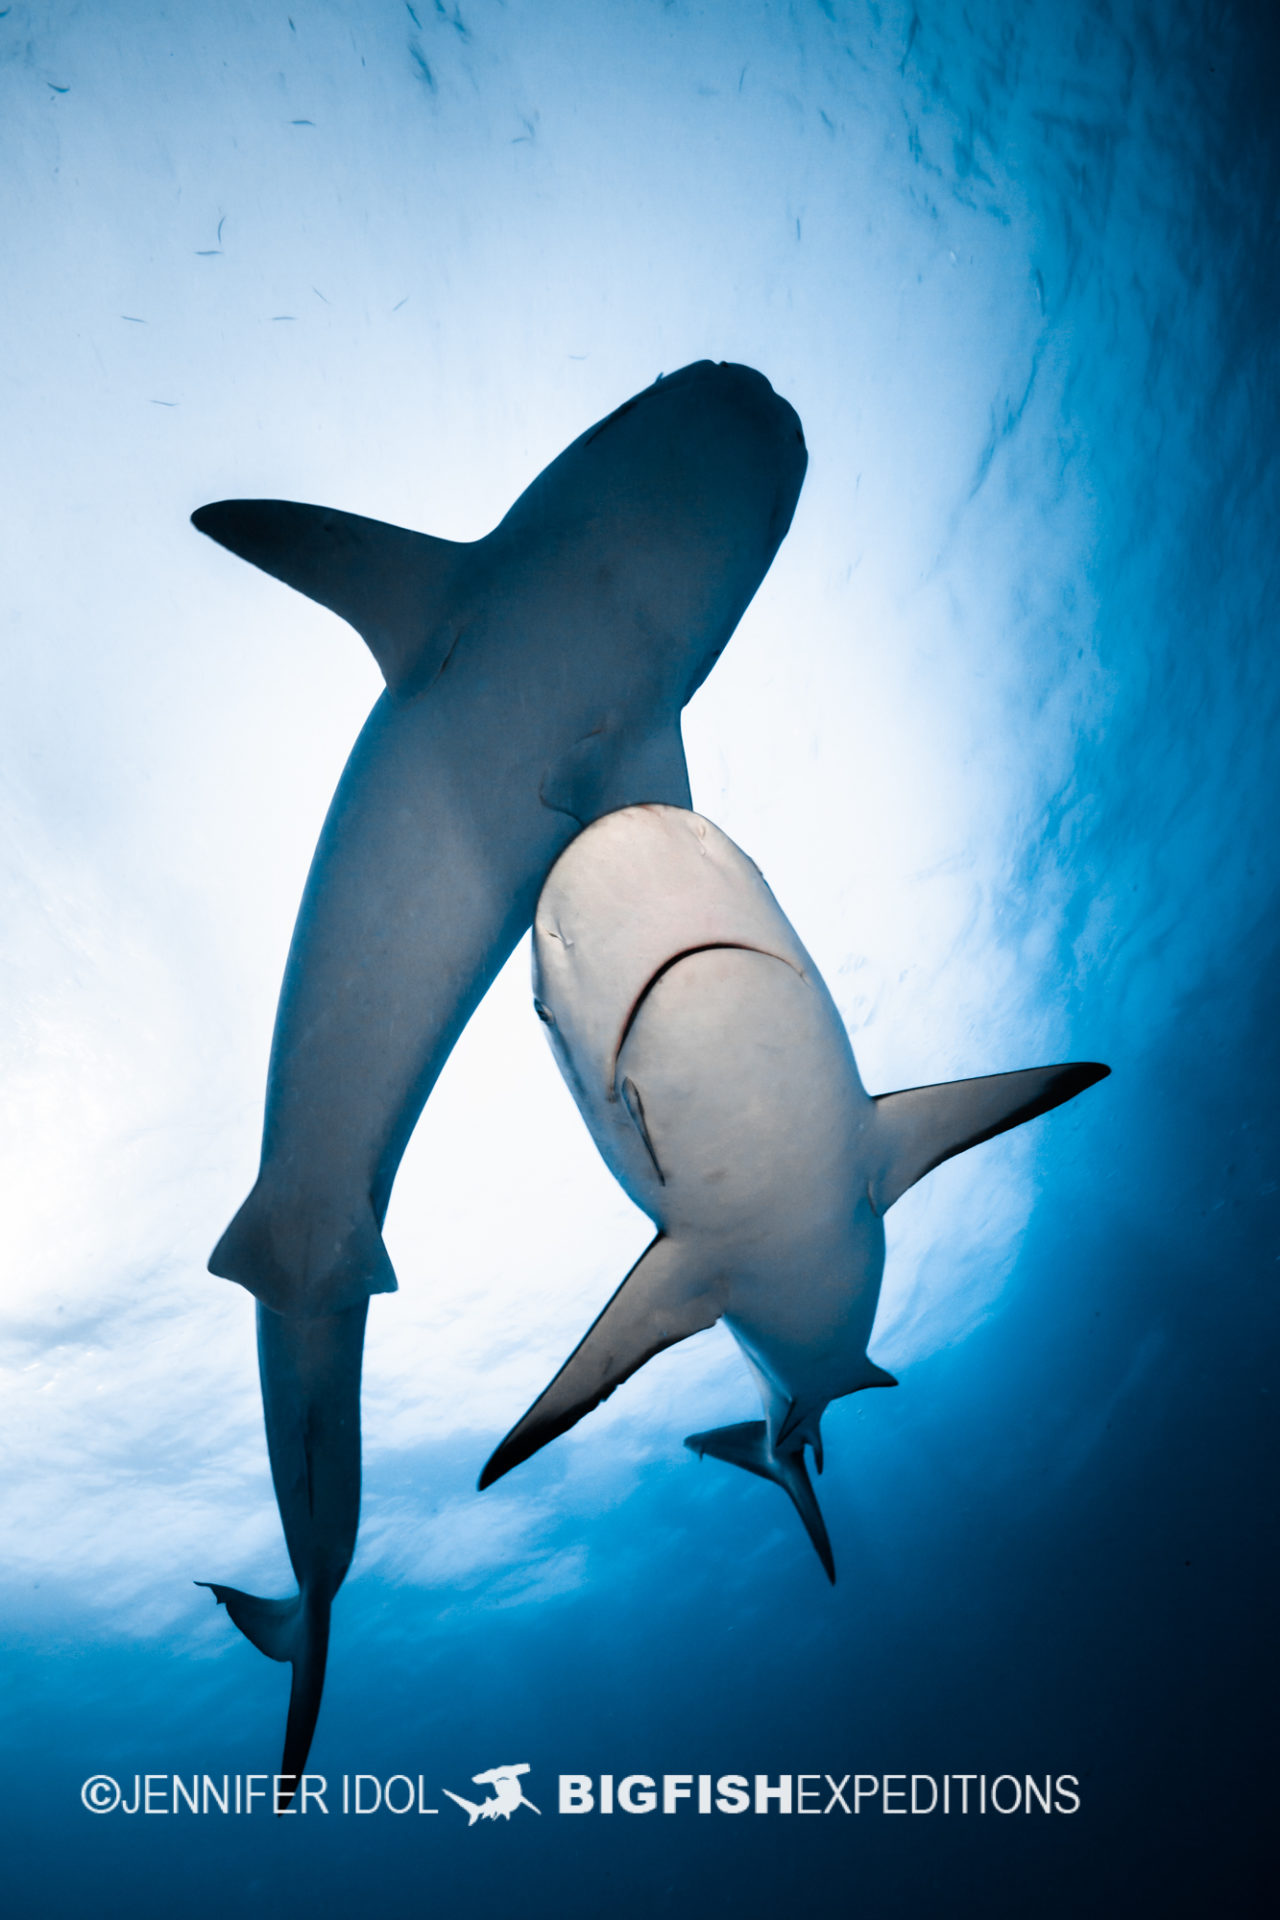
(716, 1076)
(506, 1797)
(535, 680)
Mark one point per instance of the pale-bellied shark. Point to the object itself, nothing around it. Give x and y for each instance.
(535, 680)
(715, 1074)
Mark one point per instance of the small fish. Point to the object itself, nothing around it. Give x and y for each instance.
(424, 69)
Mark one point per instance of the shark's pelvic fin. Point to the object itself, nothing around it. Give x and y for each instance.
(337, 1265)
(296, 1631)
(874, 1376)
(747, 1445)
(663, 1299)
(389, 583)
(920, 1128)
(800, 1424)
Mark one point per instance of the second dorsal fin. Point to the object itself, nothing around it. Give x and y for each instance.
(392, 585)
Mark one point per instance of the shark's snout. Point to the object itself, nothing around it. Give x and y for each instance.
(746, 386)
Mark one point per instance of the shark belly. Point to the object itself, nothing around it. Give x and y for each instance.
(425, 877)
(713, 1070)
(754, 1115)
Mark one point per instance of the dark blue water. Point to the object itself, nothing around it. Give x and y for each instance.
(1054, 1543)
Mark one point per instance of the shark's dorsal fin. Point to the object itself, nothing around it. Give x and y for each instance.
(920, 1128)
(663, 1299)
(389, 583)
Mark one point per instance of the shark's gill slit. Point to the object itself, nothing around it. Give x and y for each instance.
(686, 953)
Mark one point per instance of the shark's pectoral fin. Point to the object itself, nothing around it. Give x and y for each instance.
(747, 1445)
(614, 767)
(663, 1299)
(920, 1128)
(388, 582)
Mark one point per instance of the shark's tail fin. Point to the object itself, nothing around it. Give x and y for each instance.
(296, 1631)
(747, 1445)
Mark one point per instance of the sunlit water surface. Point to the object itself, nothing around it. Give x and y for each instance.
(1000, 729)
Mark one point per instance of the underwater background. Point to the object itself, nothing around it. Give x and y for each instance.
(1000, 729)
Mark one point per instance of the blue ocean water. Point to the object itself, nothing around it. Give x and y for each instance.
(1053, 485)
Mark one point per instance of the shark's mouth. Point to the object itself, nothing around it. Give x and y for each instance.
(685, 953)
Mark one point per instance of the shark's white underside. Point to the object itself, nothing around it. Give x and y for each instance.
(714, 1071)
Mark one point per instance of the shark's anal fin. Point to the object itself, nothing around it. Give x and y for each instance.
(747, 1445)
(295, 1631)
(920, 1128)
(663, 1299)
(388, 582)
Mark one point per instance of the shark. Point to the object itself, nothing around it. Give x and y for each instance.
(534, 681)
(716, 1076)
(507, 1795)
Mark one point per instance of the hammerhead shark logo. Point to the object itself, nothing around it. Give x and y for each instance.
(507, 1795)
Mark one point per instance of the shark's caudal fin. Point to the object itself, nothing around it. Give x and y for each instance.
(663, 1299)
(920, 1128)
(388, 582)
(473, 1809)
(299, 1263)
(747, 1445)
(296, 1631)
